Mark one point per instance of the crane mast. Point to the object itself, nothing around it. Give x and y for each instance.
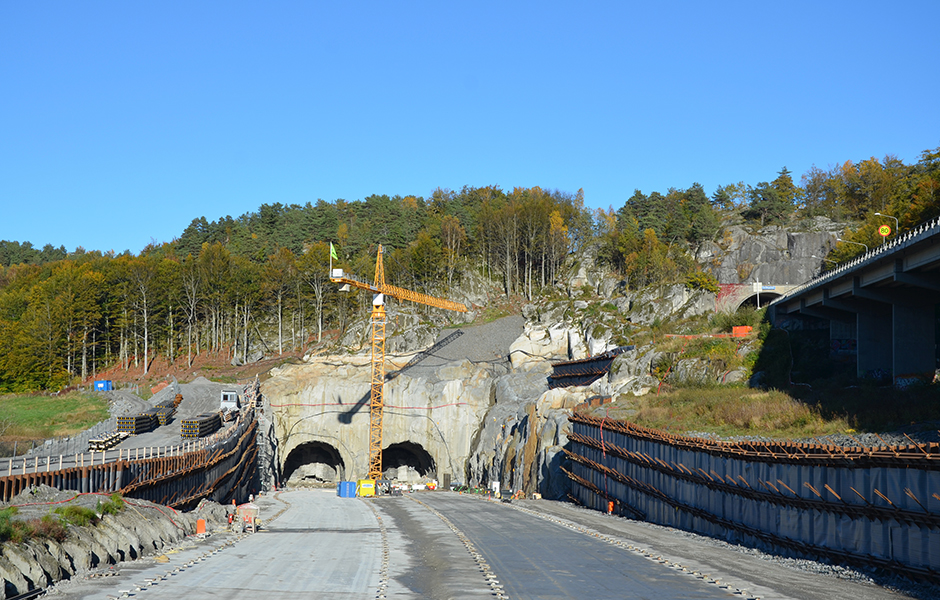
(380, 290)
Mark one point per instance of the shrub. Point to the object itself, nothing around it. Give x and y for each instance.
(746, 315)
(77, 515)
(700, 280)
(6, 523)
(19, 531)
(51, 528)
(112, 506)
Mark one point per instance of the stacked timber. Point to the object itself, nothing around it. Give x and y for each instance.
(107, 441)
(200, 426)
(165, 410)
(139, 423)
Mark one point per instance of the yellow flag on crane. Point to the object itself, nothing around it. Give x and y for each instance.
(333, 252)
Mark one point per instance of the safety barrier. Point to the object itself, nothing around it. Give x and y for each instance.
(864, 506)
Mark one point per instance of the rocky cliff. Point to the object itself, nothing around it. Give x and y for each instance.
(773, 254)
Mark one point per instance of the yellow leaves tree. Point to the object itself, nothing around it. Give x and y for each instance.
(453, 236)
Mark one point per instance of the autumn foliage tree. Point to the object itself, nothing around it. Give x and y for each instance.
(229, 286)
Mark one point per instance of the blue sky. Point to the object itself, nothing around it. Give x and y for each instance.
(120, 122)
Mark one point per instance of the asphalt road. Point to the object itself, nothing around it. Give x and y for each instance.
(445, 545)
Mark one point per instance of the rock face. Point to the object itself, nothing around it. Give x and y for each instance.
(771, 255)
(493, 419)
(141, 529)
(321, 414)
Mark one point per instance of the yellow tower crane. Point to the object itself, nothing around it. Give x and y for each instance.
(380, 289)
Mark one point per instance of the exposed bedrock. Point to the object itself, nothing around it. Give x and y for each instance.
(140, 529)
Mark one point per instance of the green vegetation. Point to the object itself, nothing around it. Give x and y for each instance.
(728, 411)
(77, 515)
(18, 531)
(112, 506)
(53, 525)
(64, 317)
(39, 417)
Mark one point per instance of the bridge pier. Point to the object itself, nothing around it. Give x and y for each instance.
(915, 339)
(874, 330)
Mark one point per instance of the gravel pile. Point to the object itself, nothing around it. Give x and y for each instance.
(487, 343)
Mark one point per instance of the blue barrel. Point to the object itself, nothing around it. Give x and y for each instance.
(346, 489)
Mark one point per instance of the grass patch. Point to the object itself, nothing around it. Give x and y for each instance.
(77, 515)
(730, 411)
(112, 506)
(40, 417)
(801, 412)
(490, 314)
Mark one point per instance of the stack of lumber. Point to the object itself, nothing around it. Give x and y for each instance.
(200, 426)
(139, 423)
(107, 441)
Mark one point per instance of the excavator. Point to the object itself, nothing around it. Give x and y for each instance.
(380, 290)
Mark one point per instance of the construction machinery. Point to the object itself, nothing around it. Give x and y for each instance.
(380, 290)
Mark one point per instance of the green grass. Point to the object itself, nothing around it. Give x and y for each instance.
(728, 411)
(77, 515)
(831, 406)
(490, 314)
(113, 506)
(39, 417)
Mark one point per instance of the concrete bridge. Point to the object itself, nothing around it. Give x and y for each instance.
(881, 306)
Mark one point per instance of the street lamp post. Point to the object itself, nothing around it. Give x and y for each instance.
(856, 243)
(897, 224)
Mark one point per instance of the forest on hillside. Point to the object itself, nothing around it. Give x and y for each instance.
(65, 316)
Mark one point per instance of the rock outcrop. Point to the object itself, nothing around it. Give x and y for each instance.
(321, 409)
(772, 254)
(141, 529)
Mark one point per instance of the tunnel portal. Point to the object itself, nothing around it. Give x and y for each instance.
(312, 463)
(407, 462)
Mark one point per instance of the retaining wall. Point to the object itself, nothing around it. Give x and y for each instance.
(222, 470)
(871, 506)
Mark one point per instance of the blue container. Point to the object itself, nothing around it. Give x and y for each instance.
(103, 386)
(346, 489)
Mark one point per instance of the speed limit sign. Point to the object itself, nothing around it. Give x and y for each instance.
(884, 231)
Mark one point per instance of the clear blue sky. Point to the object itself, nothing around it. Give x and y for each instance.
(120, 122)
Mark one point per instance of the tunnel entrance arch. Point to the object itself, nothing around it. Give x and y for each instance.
(312, 463)
(407, 462)
(764, 298)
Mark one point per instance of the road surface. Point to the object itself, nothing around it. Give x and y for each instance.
(445, 545)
